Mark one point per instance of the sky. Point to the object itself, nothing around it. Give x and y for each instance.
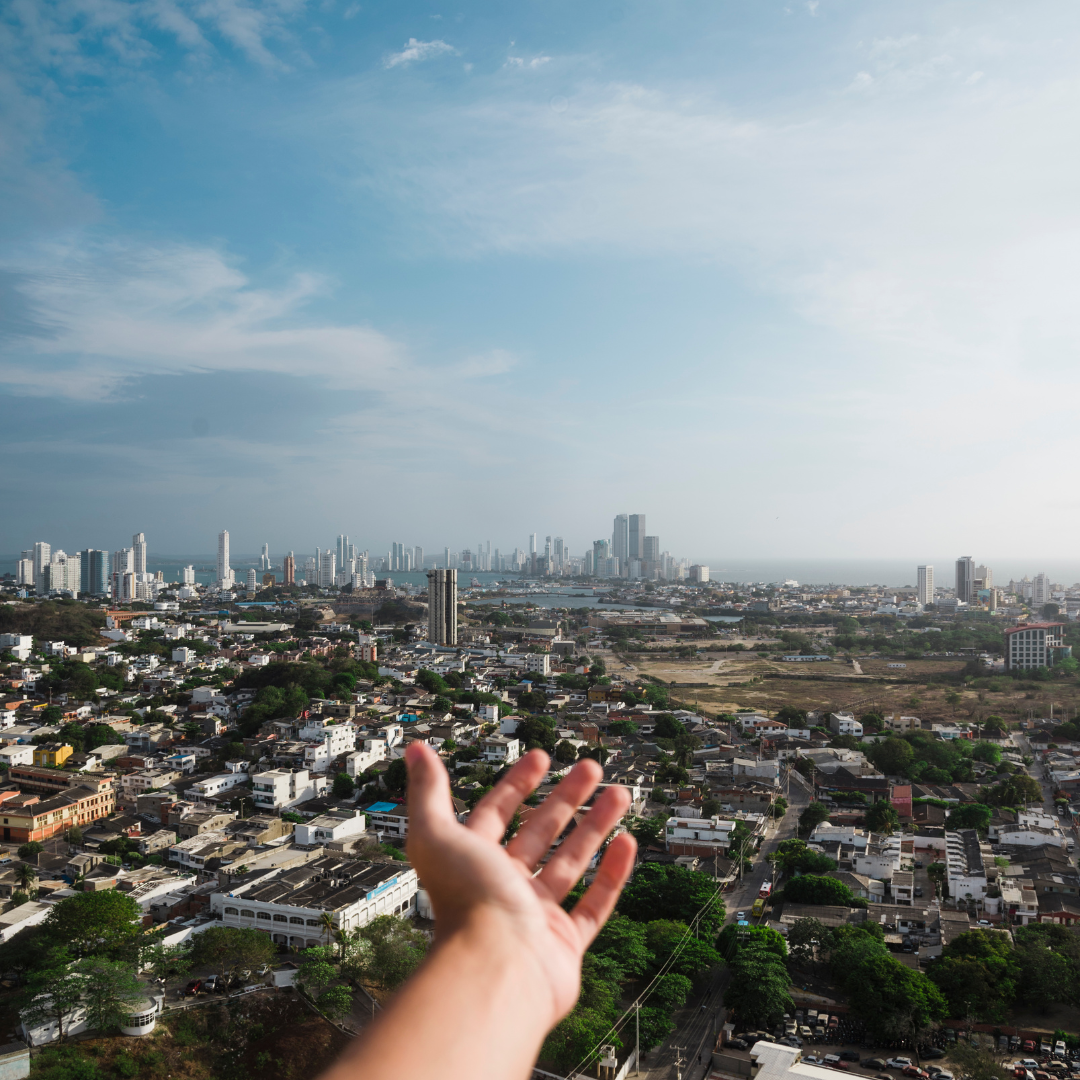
(790, 278)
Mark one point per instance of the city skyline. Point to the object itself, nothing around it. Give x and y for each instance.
(740, 267)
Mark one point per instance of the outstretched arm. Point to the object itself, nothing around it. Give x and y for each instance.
(506, 965)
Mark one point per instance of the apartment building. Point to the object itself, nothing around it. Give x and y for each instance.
(706, 836)
(964, 865)
(1034, 645)
(29, 817)
(328, 828)
(278, 789)
(845, 724)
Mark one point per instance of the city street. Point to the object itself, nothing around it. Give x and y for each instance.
(698, 1023)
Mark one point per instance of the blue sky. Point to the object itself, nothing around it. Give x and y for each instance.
(788, 277)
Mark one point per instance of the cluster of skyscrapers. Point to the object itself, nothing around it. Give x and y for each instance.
(95, 572)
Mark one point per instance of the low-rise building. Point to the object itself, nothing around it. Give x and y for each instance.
(964, 865)
(707, 836)
(844, 724)
(500, 749)
(328, 828)
(278, 789)
(215, 785)
(388, 820)
(52, 755)
(291, 906)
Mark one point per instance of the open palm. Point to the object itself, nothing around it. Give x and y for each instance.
(470, 875)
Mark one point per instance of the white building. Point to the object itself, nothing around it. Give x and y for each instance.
(538, 663)
(183, 655)
(279, 789)
(359, 761)
(21, 645)
(215, 785)
(500, 749)
(964, 865)
(924, 585)
(843, 834)
(17, 755)
(767, 769)
(224, 570)
(326, 828)
(291, 905)
(706, 836)
(326, 741)
(845, 724)
(1033, 645)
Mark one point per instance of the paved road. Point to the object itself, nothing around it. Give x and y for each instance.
(698, 1022)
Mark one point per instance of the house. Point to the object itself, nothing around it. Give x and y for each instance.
(52, 755)
(845, 724)
(334, 826)
(260, 829)
(902, 724)
(215, 785)
(500, 749)
(278, 789)
(387, 819)
(705, 836)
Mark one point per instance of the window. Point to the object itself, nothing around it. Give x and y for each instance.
(231, 911)
(296, 920)
(264, 915)
(313, 922)
(280, 918)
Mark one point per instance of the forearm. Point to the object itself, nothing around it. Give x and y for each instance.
(478, 1008)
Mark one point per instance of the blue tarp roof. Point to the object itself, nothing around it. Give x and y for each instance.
(381, 808)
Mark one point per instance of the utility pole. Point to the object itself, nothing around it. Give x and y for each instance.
(637, 1037)
(678, 1061)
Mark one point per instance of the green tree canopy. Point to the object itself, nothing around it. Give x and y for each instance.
(882, 818)
(758, 991)
(794, 857)
(893, 756)
(813, 816)
(817, 889)
(93, 922)
(970, 816)
(659, 891)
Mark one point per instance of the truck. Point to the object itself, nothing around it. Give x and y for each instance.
(759, 908)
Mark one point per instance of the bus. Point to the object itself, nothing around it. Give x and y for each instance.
(759, 908)
(766, 888)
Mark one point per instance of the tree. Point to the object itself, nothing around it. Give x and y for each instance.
(161, 961)
(813, 816)
(52, 994)
(882, 818)
(1018, 790)
(668, 937)
(794, 857)
(336, 1002)
(671, 991)
(995, 726)
(734, 938)
(565, 752)
(779, 806)
(667, 727)
(647, 831)
(758, 991)
(790, 715)
(110, 992)
(623, 941)
(536, 731)
(74, 835)
(816, 889)
(29, 850)
(94, 922)
(24, 875)
(622, 727)
(226, 948)
(389, 950)
(344, 786)
(317, 972)
(671, 892)
(974, 1064)
(396, 776)
(893, 756)
(805, 938)
(970, 816)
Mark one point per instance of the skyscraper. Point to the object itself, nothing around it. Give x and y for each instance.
(42, 557)
(290, 569)
(1040, 592)
(342, 550)
(636, 537)
(418, 558)
(650, 549)
(965, 579)
(601, 553)
(224, 570)
(327, 569)
(187, 575)
(924, 586)
(138, 549)
(442, 607)
(984, 577)
(446, 558)
(264, 558)
(620, 538)
(94, 572)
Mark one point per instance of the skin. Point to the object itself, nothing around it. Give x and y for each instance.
(506, 965)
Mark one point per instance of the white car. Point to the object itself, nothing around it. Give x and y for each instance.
(898, 1063)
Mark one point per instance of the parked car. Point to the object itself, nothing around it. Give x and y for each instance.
(1029, 1063)
(874, 1063)
(985, 923)
(839, 1065)
(1059, 1048)
(918, 890)
(741, 915)
(1045, 1048)
(918, 866)
(1029, 1045)
(813, 1059)
(898, 1063)
(848, 1055)
(805, 1032)
(931, 1052)
(914, 1070)
(210, 984)
(193, 987)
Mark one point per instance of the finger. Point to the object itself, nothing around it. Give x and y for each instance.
(494, 811)
(536, 835)
(430, 808)
(592, 910)
(569, 862)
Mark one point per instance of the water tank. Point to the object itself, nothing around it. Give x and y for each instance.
(142, 1019)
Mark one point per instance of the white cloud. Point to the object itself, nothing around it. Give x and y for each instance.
(418, 50)
(531, 65)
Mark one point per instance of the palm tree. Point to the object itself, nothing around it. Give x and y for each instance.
(24, 875)
(326, 921)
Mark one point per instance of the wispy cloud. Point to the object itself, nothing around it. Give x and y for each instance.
(522, 64)
(415, 51)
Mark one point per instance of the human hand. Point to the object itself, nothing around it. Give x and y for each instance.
(479, 887)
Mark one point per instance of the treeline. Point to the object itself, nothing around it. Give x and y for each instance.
(54, 620)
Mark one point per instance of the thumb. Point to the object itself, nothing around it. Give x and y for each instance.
(430, 808)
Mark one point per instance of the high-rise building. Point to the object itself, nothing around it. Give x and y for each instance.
(1040, 590)
(138, 550)
(446, 558)
(418, 558)
(532, 543)
(42, 556)
(24, 571)
(984, 578)
(252, 581)
(290, 569)
(636, 536)
(264, 558)
(965, 579)
(94, 572)
(187, 575)
(620, 538)
(650, 549)
(327, 569)
(601, 551)
(442, 607)
(924, 586)
(224, 570)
